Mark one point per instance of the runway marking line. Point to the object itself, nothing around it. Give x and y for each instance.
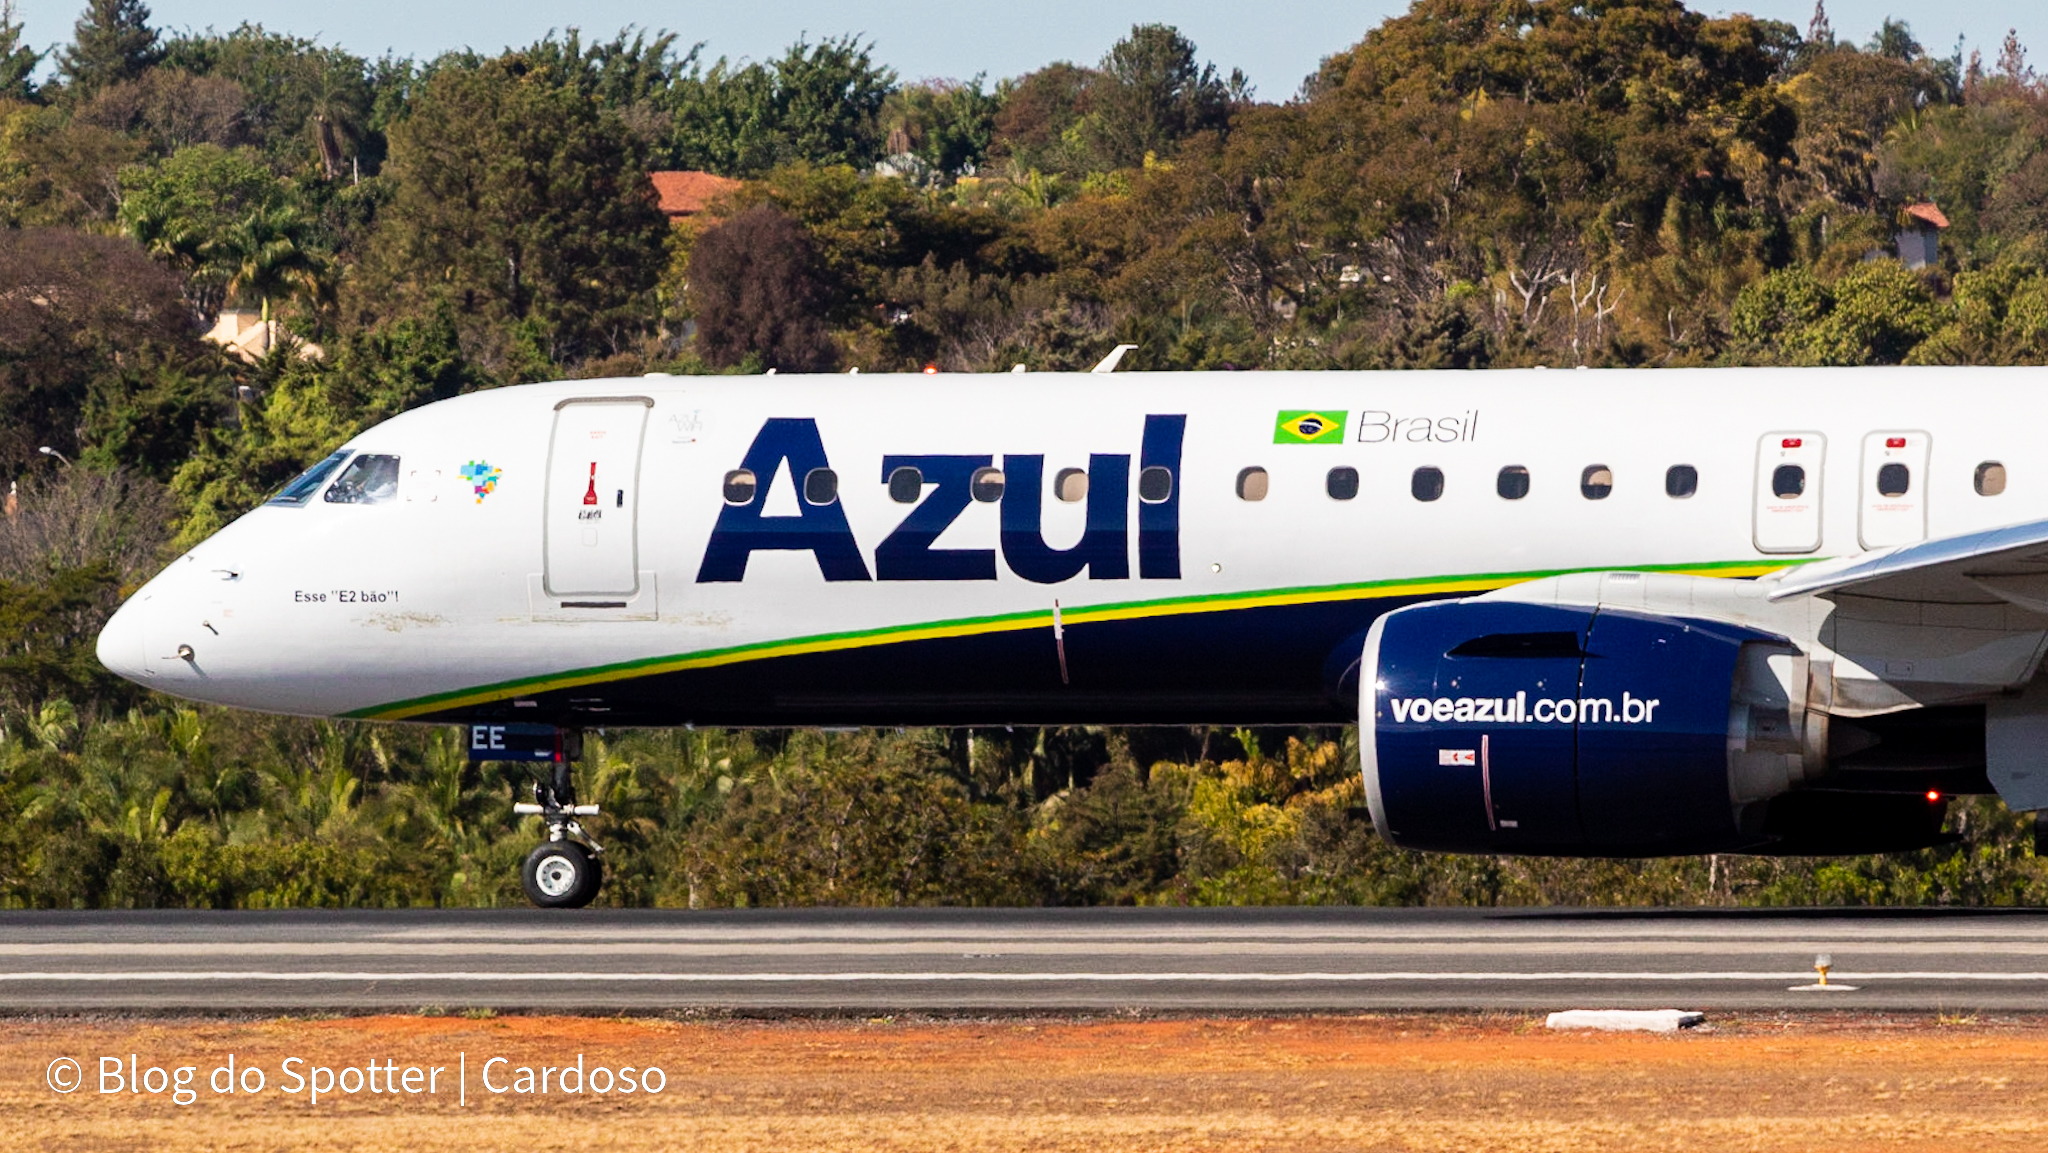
(200, 975)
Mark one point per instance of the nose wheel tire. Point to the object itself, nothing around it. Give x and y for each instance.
(561, 875)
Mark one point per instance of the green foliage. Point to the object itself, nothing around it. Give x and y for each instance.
(520, 202)
(111, 43)
(1876, 314)
(818, 104)
(1039, 128)
(2000, 316)
(306, 104)
(311, 407)
(216, 810)
(56, 171)
(224, 220)
(1152, 94)
(18, 62)
(47, 630)
(947, 127)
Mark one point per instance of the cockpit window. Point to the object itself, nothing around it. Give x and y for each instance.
(368, 479)
(301, 490)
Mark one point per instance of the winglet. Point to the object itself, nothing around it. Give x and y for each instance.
(1116, 354)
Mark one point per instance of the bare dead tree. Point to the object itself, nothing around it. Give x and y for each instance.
(78, 516)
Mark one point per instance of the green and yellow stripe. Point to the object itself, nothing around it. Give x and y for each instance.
(1016, 622)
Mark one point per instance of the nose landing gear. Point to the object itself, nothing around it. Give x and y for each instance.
(567, 871)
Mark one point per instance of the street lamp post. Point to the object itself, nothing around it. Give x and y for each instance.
(46, 450)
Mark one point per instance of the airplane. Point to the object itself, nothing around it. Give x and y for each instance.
(1516, 582)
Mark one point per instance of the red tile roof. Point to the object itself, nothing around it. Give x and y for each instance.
(688, 193)
(1926, 211)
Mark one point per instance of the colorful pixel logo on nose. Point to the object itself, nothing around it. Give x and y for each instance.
(482, 478)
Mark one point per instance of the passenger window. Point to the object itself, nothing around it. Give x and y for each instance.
(1681, 481)
(821, 486)
(1788, 481)
(1426, 483)
(739, 486)
(1512, 483)
(1155, 484)
(368, 479)
(1990, 478)
(986, 485)
(301, 490)
(1894, 479)
(1251, 484)
(1596, 482)
(1070, 485)
(906, 484)
(1342, 483)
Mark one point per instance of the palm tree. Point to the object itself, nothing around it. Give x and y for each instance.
(336, 119)
(269, 256)
(178, 242)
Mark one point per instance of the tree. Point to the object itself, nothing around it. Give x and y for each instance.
(1820, 31)
(270, 256)
(1875, 314)
(58, 170)
(78, 308)
(18, 62)
(1153, 95)
(111, 42)
(947, 125)
(171, 109)
(311, 406)
(2012, 61)
(186, 211)
(1038, 126)
(755, 287)
(819, 104)
(336, 120)
(521, 204)
(1894, 41)
(305, 104)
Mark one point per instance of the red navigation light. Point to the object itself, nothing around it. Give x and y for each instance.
(1895, 442)
(931, 370)
(1933, 796)
(1789, 442)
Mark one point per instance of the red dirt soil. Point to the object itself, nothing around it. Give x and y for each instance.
(1373, 1083)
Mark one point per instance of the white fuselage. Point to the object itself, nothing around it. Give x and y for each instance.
(484, 584)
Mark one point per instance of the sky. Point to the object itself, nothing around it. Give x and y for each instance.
(1276, 42)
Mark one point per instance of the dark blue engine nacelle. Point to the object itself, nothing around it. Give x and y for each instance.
(1502, 727)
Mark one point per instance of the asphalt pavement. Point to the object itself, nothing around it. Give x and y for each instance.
(958, 961)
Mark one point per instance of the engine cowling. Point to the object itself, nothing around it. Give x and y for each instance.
(1504, 727)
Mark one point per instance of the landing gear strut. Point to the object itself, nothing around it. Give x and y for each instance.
(566, 872)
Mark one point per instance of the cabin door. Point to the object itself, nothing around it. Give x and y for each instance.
(1892, 499)
(1787, 494)
(593, 501)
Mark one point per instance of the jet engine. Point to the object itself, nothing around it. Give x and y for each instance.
(1506, 727)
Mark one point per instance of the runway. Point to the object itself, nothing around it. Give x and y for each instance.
(955, 961)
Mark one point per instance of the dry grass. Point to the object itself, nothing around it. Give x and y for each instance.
(1394, 1083)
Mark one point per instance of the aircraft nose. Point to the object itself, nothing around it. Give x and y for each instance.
(120, 646)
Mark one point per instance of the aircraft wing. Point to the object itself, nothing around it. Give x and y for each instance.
(2008, 564)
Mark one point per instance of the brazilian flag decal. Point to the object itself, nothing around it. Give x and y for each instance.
(1297, 427)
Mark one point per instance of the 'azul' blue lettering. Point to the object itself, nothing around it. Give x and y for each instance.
(1159, 522)
(907, 554)
(819, 529)
(1105, 547)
